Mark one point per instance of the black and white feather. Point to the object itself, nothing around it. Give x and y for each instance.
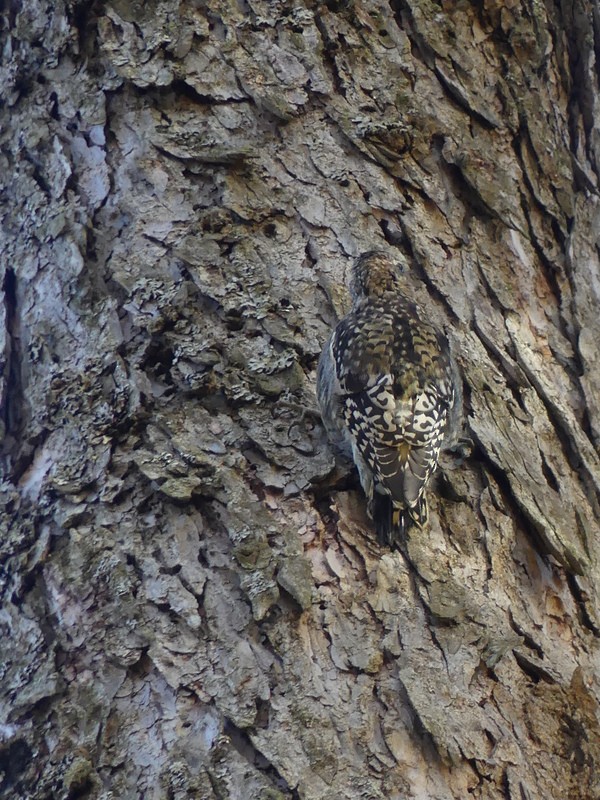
(389, 395)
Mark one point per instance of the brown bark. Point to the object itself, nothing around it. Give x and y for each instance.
(193, 601)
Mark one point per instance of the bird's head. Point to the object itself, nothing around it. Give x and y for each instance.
(374, 274)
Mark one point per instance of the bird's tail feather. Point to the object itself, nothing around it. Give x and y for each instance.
(393, 521)
(419, 513)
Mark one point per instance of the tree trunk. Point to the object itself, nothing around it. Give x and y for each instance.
(194, 604)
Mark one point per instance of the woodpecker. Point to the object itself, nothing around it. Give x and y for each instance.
(389, 394)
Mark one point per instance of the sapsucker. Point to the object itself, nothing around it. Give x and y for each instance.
(389, 394)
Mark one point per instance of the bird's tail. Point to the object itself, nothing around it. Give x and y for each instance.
(392, 521)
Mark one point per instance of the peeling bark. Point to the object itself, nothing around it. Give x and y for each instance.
(193, 600)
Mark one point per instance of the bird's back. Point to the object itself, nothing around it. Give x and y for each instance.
(395, 377)
(389, 393)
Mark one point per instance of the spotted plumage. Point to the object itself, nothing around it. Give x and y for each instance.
(388, 394)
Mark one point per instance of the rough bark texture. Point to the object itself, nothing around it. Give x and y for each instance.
(192, 606)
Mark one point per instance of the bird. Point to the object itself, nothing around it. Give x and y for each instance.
(389, 394)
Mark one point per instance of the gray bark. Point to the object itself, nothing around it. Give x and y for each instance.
(193, 601)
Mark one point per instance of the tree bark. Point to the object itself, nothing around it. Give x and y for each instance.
(193, 600)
